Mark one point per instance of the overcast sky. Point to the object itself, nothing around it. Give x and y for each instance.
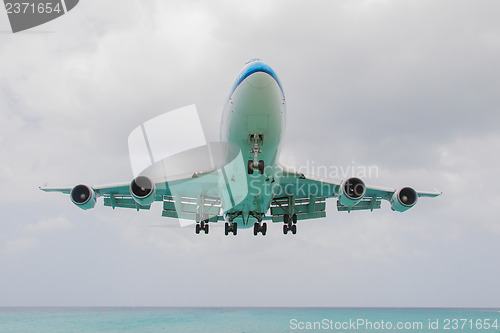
(412, 87)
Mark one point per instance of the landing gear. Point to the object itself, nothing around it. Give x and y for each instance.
(260, 167)
(287, 220)
(289, 227)
(256, 141)
(260, 227)
(203, 225)
(250, 167)
(290, 223)
(233, 227)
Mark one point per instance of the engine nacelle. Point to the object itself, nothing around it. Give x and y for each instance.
(83, 196)
(404, 199)
(143, 190)
(352, 191)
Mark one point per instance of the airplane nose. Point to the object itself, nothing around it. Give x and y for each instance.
(260, 80)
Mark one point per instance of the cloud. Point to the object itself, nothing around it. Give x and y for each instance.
(19, 245)
(408, 86)
(30, 235)
(58, 223)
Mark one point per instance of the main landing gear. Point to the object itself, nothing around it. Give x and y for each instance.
(201, 225)
(259, 227)
(256, 141)
(230, 227)
(290, 223)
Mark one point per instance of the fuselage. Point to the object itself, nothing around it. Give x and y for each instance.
(255, 108)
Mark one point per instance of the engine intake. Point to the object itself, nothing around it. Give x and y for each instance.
(352, 191)
(83, 196)
(143, 190)
(404, 199)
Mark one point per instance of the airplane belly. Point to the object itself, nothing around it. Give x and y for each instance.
(256, 108)
(257, 111)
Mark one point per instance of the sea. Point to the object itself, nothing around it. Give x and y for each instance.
(231, 319)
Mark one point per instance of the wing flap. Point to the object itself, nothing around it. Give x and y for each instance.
(365, 204)
(122, 201)
(304, 208)
(188, 208)
(300, 216)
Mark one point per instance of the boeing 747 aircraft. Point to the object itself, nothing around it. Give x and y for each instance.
(253, 121)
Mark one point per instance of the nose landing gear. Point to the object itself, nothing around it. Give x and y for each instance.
(251, 167)
(256, 140)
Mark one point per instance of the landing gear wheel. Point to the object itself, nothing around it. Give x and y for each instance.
(294, 229)
(261, 167)
(226, 229)
(259, 227)
(206, 228)
(197, 228)
(286, 218)
(285, 229)
(250, 167)
(235, 228)
(294, 218)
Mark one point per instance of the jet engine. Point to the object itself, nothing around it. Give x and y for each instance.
(83, 196)
(352, 191)
(143, 190)
(403, 199)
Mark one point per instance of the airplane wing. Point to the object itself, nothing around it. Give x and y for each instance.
(305, 196)
(100, 190)
(115, 195)
(183, 198)
(197, 196)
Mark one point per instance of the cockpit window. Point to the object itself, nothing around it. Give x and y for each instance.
(252, 60)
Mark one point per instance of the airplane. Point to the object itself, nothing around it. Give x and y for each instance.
(253, 120)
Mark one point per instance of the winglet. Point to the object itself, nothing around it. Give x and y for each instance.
(65, 190)
(436, 193)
